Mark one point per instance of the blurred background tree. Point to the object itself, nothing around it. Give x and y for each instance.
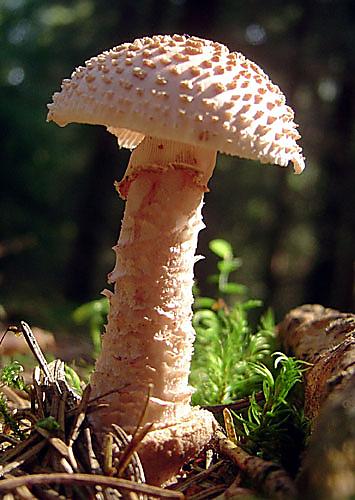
(59, 211)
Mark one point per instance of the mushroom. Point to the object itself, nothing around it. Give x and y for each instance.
(176, 101)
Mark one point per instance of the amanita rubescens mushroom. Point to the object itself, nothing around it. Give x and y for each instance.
(177, 100)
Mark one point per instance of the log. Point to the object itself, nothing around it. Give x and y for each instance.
(325, 338)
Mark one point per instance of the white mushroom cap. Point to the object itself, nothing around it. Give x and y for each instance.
(185, 89)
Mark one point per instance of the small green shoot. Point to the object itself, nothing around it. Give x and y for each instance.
(226, 265)
(10, 375)
(94, 313)
(7, 419)
(269, 429)
(73, 379)
(49, 424)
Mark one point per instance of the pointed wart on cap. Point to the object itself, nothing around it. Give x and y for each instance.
(158, 86)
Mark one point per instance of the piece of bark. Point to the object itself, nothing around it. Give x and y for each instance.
(328, 470)
(325, 338)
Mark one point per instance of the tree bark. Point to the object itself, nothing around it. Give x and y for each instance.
(325, 338)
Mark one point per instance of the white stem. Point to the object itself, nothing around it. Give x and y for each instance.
(149, 336)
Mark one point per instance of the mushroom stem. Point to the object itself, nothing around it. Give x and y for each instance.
(149, 336)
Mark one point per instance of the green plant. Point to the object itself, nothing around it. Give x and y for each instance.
(8, 421)
(73, 379)
(10, 375)
(94, 313)
(271, 429)
(227, 348)
(49, 424)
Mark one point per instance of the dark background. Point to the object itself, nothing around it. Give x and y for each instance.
(60, 215)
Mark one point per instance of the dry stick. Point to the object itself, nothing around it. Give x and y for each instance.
(9, 439)
(61, 415)
(87, 479)
(38, 392)
(75, 430)
(90, 453)
(8, 455)
(14, 397)
(36, 350)
(80, 416)
(23, 492)
(30, 454)
(25, 414)
(132, 447)
(107, 446)
(55, 442)
(229, 425)
(271, 478)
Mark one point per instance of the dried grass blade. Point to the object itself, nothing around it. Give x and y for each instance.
(61, 415)
(8, 485)
(36, 350)
(137, 437)
(229, 425)
(132, 448)
(23, 492)
(21, 447)
(89, 452)
(134, 470)
(107, 448)
(38, 393)
(80, 416)
(26, 456)
(4, 438)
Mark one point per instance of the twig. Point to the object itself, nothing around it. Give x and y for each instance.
(80, 416)
(8, 485)
(36, 350)
(31, 442)
(107, 447)
(19, 401)
(22, 492)
(90, 453)
(28, 455)
(4, 438)
(229, 425)
(268, 476)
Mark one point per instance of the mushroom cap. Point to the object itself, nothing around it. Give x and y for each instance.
(185, 89)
